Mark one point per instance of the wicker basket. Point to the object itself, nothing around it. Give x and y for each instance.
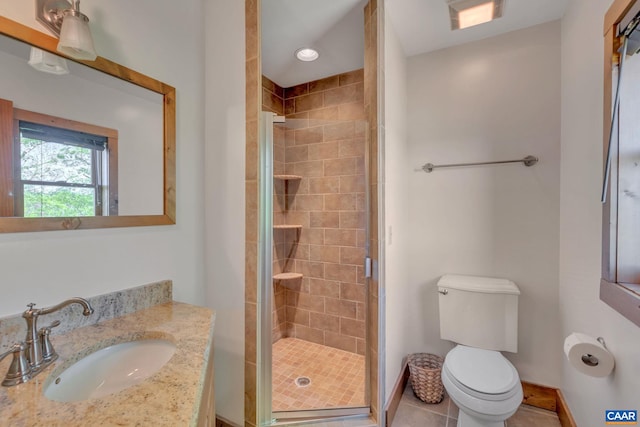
(425, 371)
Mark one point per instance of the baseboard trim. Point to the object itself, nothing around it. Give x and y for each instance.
(396, 394)
(222, 422)
(566, 419)
(536, 395)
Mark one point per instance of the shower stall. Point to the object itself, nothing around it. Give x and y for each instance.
(313, 357)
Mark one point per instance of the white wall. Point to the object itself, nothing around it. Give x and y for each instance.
(580, 222)
(494, 99)
(47, 267)
(224, 198)
(396, 177)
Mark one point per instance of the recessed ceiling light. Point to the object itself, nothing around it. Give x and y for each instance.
(307, 54)
(467, 13)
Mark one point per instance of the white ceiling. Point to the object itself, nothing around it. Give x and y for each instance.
(423, 25)
(336, 29)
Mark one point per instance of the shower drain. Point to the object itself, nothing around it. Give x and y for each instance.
(302, 381)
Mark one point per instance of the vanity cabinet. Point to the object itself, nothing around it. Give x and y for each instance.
(207, 413)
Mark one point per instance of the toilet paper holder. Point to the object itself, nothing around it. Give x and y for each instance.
(591, 360)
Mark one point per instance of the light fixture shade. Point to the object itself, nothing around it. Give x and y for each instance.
(47, 62)
(75, 37)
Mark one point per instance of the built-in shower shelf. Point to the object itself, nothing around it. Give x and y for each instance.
(287, 177)
(288, 227)
(287, 276)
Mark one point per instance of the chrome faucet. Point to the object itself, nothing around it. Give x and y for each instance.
(39, 351)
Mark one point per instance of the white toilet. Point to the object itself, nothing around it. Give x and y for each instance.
(480, 314)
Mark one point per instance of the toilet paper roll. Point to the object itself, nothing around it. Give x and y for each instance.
(588, 355)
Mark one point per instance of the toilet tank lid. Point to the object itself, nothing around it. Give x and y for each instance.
(478, 284)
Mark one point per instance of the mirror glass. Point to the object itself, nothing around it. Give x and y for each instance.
(82, 144)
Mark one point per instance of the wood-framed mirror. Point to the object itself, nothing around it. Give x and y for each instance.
(119, 159)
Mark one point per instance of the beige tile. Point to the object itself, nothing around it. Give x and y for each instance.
(324, 322)
(342, 342)
(350, 327)
(311, 135)
(312, 202)
(309, 102)
(310, 269)
(412, 416)
(352, 148)
(340, 202)
(352, 292)
(309, 334)
(296, 153)
(340, 237)
(344, 95)
(326, 288)
(351, 111)
(339, 130)
(341, 308)
(352, 255)
(297, 315)
(351, 77)
(527, 416)
(342, 273)
(324, 84)
(322, 151)
(312, 168)
(312, 236)
(324, 116)
(305, 301)
(337, 167)
(298, 90)
(337, 376)
(324, 185)
(324, 220)
(324, 253)
(352, 220)
(352, 184)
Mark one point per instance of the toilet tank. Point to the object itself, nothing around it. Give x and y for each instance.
(479, 312)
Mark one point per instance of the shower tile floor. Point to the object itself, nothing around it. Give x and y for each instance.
(337, 376)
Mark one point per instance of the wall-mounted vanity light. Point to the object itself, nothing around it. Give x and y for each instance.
(467, 13)
(47, 62)
(64, 20)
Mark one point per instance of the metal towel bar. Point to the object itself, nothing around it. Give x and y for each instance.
(528, 161)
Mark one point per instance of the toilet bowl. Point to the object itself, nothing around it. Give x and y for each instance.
(483, 384)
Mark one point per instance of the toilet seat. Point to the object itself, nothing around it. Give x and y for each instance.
(484, 374)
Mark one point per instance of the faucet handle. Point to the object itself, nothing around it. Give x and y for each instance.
(20, 369)
(48, 353)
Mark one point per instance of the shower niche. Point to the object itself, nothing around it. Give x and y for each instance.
(286, 236)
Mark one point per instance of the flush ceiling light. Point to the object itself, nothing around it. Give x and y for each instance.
(467, 13)
(47, 62)
(65, 20)
(307, 54)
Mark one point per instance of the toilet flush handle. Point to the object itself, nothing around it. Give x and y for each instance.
(443, 291)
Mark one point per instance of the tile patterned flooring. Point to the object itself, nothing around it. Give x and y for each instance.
(413, 412)
(337, 376)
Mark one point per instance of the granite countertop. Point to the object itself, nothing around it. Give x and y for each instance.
(170, 397)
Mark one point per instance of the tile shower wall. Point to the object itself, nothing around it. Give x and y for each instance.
(325, 144)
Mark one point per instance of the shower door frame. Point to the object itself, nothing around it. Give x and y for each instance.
(265, 414)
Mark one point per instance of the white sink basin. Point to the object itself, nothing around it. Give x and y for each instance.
(110, 370)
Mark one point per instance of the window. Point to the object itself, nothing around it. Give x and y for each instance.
(60, 168)
(620, 284)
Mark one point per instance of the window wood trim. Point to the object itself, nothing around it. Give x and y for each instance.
(6, 158)
(624, 298)
(10, 199)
